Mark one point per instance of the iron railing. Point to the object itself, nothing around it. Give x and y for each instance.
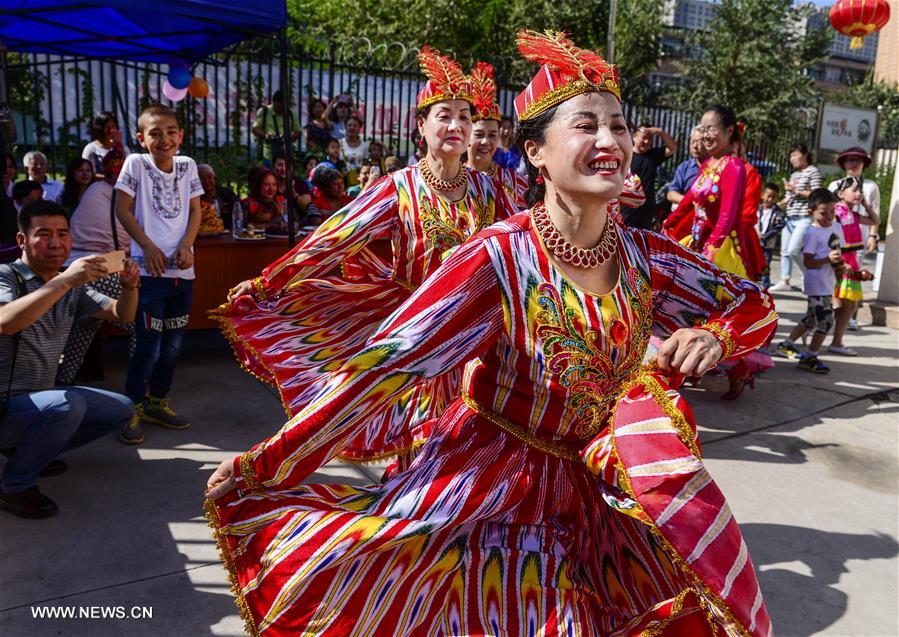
(53, 99)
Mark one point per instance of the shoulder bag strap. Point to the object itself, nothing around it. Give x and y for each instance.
(15, 337)
(112, 220)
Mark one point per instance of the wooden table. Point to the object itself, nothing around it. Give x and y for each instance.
(222, 262)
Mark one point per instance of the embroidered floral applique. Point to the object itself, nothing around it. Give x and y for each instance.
(574, 352)
(447, 233)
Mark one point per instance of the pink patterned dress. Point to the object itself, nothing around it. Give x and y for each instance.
(710, 212)
(562, 494)
(849, 286)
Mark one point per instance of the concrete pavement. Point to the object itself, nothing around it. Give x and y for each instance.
(809, 465)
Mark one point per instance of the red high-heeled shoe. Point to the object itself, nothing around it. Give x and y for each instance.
(736, 387)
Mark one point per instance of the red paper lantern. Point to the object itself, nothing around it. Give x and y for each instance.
(858, 18)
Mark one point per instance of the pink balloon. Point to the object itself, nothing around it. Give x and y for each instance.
(174, 94)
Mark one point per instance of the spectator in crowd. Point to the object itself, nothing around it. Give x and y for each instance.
(805, 178)
(9, 175)
(329, 196)
(221, 198)
(316, 132)
(368, 175)
(40, 303)
(158, 203)
(848, 292)
(772, 219)
(106, 135)
(332, 158)
(854, 162)
(376, 154)
(95, 230)
(265, 206)
(507, 155)
(36, 166)
(253, 174)
(25, 191)
(309, 165)
(268, 127)
(353, 148)
(686, 172)
(644, 164)
(338, 112)
(79, 175)
(821, 254)
(419, 147)
(8, 224)
(392, 164)
(301, 193)
(709, 219)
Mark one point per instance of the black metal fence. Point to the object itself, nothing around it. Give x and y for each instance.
(54, 98)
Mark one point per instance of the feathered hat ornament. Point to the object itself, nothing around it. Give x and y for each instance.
(483, 90)
(446, 80)
(566, 70)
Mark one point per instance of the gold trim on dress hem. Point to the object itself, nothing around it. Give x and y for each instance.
(233, 338)
(697, 582)
(224, 551)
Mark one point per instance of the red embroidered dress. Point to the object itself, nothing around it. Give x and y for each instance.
(514, 184)
(321, 301)
(562, 494)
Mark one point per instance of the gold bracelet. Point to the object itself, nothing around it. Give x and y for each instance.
(131, 287)
(728, 346)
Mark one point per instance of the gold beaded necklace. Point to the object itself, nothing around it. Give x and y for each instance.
(563, 250)
(444, 185)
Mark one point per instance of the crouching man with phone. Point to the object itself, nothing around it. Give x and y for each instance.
(38, 305)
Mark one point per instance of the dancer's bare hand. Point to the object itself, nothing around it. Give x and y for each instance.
(689, 351)
(222, 481)
(244, 287)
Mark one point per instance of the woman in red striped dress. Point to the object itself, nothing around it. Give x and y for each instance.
(485, 135)
(563, 492)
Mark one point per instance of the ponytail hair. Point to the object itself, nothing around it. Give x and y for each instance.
(533, 129)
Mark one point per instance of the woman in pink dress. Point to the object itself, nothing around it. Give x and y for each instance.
(562, 493)
(709, 220)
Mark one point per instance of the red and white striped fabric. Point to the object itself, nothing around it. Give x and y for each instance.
(562, 494)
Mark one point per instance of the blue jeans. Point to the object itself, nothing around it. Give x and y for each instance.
(41, 425)
(766, 275)
(159, 328)
(791, 244)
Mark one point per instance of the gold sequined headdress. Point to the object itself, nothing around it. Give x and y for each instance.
(446, 81)
(566, 71)
(483, 89)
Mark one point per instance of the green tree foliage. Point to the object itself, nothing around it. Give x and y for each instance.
(755, 56)
(484, 30)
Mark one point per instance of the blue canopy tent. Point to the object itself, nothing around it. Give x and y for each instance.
(164, 31)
